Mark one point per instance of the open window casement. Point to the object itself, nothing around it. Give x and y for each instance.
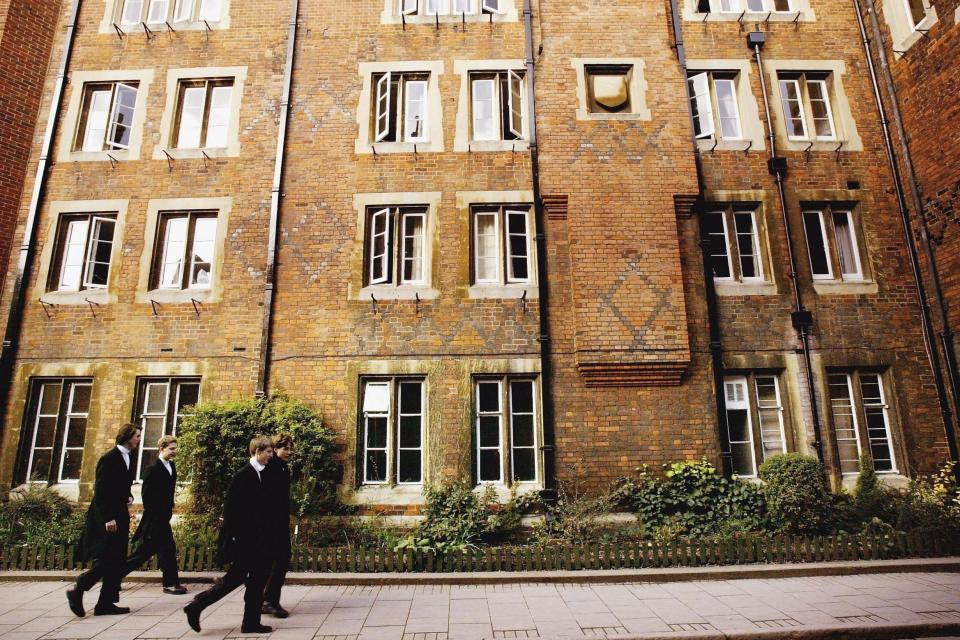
(491, 6)
(464, 6)
(408, 7)
(376, 397)
(383, 107)
(380, 247)
(612, 91)
(736, 393)
(158, 11)
(515, 103)
(210, 10)
(132, 12)
(183, 11)
(702, 105)
(438, 7)
(99, 251)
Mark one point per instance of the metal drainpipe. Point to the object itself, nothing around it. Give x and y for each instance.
(546, 391)
(8, 352)
(713, 313)
(275, 195)
(802, 319)
(927, 324)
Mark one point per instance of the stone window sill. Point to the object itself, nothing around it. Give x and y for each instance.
(386, 494)
(504, 292)
(707, 146)
(198, 154)
(844, 287)
(384, 148)
(123, 155)
(486, 146)
(405, 292)
(85, 296)
(733, 289)
(177, 296)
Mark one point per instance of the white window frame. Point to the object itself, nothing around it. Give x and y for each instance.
(831, 244)
(824, 238)
(736, 107)
(408, 122)
(784, 102)
(187, 259)
(508, 235)
(700, 95)
(209, 87)
(498, 260)
(755, 242)
(171, 423)
(855, 244)
(505, 269)
(825, 98)
(392, 389)
(90, 223)
(71, 415)
(740, 404)
(851, 400)
(498, 414)
(535, 447)
(110, 123)
(505, 416)
(726, 243)
(394, 235)
(384, 258)
(778, 408)
(728, 213)
(387, 113)
(884, 408)
(404, 216)
(66, 384)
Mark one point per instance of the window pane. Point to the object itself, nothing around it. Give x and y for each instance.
(844, 422)
(415, 109)
(524, 466)
(702, 107)
(218, 123)
(46, 430)
(738, 425)
(75, 243)
(376, 469)
(518, 244)
(816, 244)
(742, 453)
(487, 248)
(413, 255)
(820, 105)
(50, 399)
(156, 399)
(376, 398)
(189, 395)
(489, 393)
(98, 257)
(793, 109)
(715, 228)
(747, 245)
(72, 459)
(875, 413)
(98, 112)
(376, 431)
(521, 395)
(158, 10)
(379, 242)
(76, 430)
(174, 244)
(410, 432)
(121, 120)
(191, 116)
(489, 431)
(409, 464)
(80, 403)
(771, 416)
(515, 102)
(484, 116)
(132, 10)
(727, 107)
(846, 244)
(154, 427)
(204, 238)
(411, 397)
(523, 430)
(184, 10)
(40, 465)
(490, 465)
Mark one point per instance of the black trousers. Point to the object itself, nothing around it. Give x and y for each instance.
(279, 566)
(158, 541)
(108, 566)
(251, 572)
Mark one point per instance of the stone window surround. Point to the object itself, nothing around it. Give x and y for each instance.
(362, 202)
(434, 143)
(846, 128)
(391, 15)
(112, 8)
(751, 125)
(174, 78)
(465, 202)
(57, 210)
(853, 201)
(638, 89)
(466, 371)
(903, 34)
(764, 202)
(145, 295)
(462, 141)
(803, 7)
(71, 120)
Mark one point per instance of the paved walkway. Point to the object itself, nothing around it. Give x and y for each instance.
(898, 603)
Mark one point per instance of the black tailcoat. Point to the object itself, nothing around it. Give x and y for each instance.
(245, 514)
(111, 493)
(159, 488)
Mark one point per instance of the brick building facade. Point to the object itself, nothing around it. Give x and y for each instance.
(26, 37)
(406, 295)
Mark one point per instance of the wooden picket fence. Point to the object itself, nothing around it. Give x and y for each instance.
(685, 553)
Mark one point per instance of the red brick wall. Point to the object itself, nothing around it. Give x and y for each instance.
(27, 29)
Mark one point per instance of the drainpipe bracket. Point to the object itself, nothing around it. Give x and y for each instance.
(777, 166)
(802, 319)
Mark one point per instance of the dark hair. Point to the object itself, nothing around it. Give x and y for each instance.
(282, 440)
(260, 443)
(127, 431)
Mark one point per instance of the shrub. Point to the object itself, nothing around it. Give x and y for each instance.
(930, 503)
(576, 516)
(454, 518)
(214, 440)
(39, 515)
(797, 496)
(693, 499)
(870, 500)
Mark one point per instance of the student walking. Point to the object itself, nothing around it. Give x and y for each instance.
(108, 527)
(154, 534)
(277, 478)
(243, 542)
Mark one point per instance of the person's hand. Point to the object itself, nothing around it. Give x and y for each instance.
(130, 500)
(112, 526)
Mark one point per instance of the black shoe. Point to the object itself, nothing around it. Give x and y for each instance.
(75, 600)
(176, 590)
(275, 610)
(193, 617)
(110, 610)
(256, 628)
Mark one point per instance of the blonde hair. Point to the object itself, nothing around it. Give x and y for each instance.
(260, 443)
(165, 442)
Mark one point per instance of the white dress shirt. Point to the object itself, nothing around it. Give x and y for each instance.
(126, 455)
(257, 466)
(166, 464)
